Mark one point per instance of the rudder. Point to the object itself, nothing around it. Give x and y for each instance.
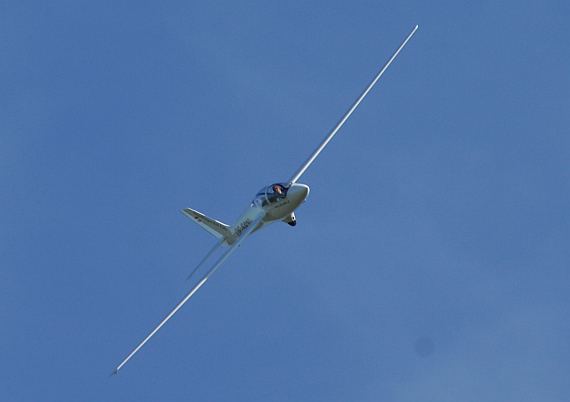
(214, 227)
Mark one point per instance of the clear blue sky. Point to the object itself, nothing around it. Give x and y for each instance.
(430, 261)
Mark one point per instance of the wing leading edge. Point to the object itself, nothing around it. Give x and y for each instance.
(347, 115)
(233, 247)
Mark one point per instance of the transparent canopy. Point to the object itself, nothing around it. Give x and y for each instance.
(271, 194)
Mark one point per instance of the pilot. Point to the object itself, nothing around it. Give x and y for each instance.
(277, 193)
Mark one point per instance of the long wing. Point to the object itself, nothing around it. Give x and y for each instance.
(218, 244)
(339, 125)
(234, 246)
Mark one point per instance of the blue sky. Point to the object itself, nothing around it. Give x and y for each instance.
(430, 261)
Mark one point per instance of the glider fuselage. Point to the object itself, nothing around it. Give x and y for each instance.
(277, 201)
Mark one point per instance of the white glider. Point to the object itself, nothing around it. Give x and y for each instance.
(273, 203)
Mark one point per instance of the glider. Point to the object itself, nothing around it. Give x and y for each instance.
(273, 203)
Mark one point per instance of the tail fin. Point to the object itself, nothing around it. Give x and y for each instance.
(216, 228)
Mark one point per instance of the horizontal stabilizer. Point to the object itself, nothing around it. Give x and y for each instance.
(216, 228)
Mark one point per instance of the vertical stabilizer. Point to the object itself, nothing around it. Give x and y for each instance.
(216, 228)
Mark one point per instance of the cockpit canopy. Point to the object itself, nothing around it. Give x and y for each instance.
(271, 194)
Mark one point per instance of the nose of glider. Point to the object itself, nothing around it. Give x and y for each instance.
(297, 193)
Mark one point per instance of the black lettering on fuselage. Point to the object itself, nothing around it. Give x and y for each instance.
(243, 226)
(282, 204)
